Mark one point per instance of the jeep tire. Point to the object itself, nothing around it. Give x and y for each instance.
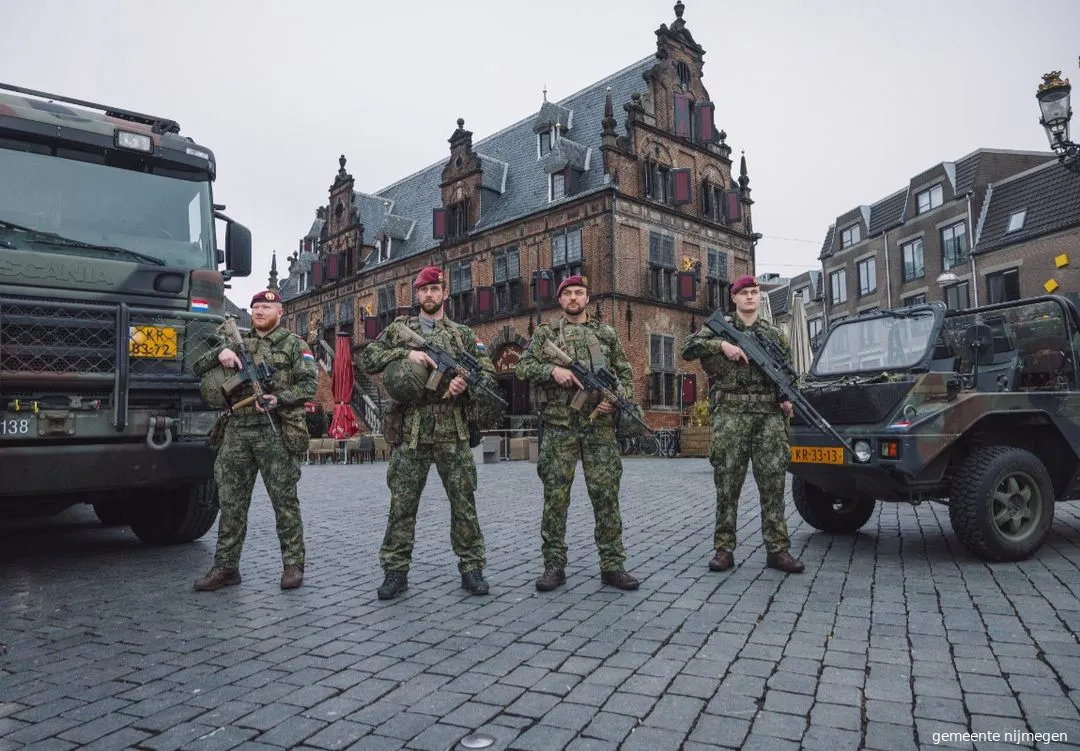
(112, 513)
(829, 514)
(1002, 503)
(177, 515)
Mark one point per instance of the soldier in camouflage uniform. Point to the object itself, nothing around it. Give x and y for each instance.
(750, 423)
(249, 446)
(434, 428)
(569, 435)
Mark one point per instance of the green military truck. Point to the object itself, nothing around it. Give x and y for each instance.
(109, 289)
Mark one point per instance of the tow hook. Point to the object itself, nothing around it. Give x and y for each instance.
(159, 425)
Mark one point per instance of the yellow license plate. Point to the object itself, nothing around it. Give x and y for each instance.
(817, 454)
(152, 341)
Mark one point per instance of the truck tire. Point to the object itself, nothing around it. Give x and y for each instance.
(1001, 504)
(821, 511)
(111, 513)
(182, 515)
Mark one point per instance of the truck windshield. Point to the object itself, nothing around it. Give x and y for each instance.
(70, 195)
(881, 342)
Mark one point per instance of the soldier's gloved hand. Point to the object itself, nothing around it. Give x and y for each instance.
(229, 359)
(267, 403)
(787, 408)
(421, 358)
(457, 386)
(565, 378)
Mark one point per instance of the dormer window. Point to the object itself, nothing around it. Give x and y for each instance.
(544, 140)
(929, 199)
(850, 236)
(457, 218)
(384, 249)
(558, 186)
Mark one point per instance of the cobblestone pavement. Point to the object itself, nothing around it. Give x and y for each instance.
(890, 639)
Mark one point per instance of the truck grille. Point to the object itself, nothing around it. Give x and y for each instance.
(856, 404)
(55, 337)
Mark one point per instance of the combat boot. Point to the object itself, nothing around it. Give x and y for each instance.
(619, 579)
(394, 583)
(722, 561)
(474, 582)
(551, 578)
(216, 578)
(783, 561)
(293, 576)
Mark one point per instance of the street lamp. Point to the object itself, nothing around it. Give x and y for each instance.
(1053, 96)
(947, 279)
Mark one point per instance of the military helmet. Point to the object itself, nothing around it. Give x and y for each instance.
(212, 385)
(405, 380)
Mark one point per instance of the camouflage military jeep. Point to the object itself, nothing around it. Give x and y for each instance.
(979, 409)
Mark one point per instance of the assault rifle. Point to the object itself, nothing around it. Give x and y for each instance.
(602, 381)
(255, 373)
(768, 355)
(466, 366)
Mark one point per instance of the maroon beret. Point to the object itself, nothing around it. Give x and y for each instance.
(428, 275)
(577, 280)
(744, 281)
(267, 295)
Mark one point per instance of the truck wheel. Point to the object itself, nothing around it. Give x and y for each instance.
(1001, 503)
(181, 515)
(829, 514)
(111, 513)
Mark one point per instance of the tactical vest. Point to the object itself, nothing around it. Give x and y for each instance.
(583, 345)
(450, 418)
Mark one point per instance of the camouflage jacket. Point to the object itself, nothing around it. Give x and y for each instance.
(295, 376)
(432, 419)
(736, 385)
(552, 400)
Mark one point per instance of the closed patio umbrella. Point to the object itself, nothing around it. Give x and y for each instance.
(799, 339)
(344, 424)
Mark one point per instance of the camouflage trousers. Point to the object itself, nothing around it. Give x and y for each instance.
(560, 450)
(406, 478)
(246, 451)
(739, 438)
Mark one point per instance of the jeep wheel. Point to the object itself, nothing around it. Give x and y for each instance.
(828, 513)
(1002, 503)
(181, 515)
(111, 513)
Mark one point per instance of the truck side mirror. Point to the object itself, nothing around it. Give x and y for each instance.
(237, 249)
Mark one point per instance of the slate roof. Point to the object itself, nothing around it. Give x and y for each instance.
(827, 246)
(1049, 194)
(511, 152)
(887, 212)
(778, 299)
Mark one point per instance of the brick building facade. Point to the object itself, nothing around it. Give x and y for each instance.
(647, 206)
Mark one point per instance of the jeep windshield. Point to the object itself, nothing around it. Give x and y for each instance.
(61, 200)
(886, 341)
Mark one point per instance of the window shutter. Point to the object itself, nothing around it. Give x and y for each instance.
(705, 130)
(318, 273)
(732, 206)
(333, 266)
(371, 327)
(438, 223)
(687, 286)
(682, 115)
(689, 388)
(680, 186)
(485, 300)
(543, 286)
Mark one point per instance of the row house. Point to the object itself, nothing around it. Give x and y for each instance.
(809, 288)
(916, 244)
(647, 206)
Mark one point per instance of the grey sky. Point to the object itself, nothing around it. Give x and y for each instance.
(836, 102)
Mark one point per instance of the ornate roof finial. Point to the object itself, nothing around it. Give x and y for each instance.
(461, 123)
(679, 7)
(341, 167)
(273, 284)
(608, 122)
(558, 126)
(545, 92)
(744, 179)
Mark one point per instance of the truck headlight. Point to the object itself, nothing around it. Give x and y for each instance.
(197, 423)
(862, 451)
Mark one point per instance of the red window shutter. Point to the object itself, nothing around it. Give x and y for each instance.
(371, 327)
(543, 286)
(680, 186)
(485, 301)
(438, 223)
(689, 388)
(333, 267)
(686, 286)
(705, 130)
(318, 273)
(732, 206)
(682, 115)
